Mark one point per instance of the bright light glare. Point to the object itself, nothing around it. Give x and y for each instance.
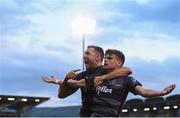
(146, 109)
(37, 100)
(24, 99)
(154, 108)
(135, 110)
(175, 107)
(11, 99)
(124, 110)
(166, 107)
(83, 25)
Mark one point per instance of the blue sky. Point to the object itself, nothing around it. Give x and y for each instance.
(36, 40)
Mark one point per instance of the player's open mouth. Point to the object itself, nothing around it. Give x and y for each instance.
(105, 64)
(86, 61)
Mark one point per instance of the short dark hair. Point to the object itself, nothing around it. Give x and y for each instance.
(118, 53)
(98, 49)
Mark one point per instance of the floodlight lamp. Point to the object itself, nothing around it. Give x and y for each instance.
(11, 99)
(37, 100)
(24, 100)
(124, 110)
(175, 107)
(146, 109)
(166, 107)
(154, 108)
(135, 110)
(83, 25)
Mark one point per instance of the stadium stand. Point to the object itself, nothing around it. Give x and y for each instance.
(173, 102)
(152, 107)
(15, 106)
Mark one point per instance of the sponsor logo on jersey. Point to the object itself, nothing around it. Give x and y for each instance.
(103, 89)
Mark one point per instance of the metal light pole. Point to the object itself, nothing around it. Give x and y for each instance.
(83, 26)
(83, 49)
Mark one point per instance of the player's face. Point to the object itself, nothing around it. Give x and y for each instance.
(90, 57)
(111, 62)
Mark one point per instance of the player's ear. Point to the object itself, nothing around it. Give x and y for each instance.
(98, 58)
(120, 62)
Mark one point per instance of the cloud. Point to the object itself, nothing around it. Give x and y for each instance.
(156, 75)
(156, 47)
(36, 40)
(14, 15)
(146, 10)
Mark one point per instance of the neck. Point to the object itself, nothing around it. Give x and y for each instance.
(95, 66)
(111, 69)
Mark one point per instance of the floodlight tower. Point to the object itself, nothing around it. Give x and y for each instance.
(83, 26)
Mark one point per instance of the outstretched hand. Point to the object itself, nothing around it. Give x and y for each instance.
(52, 79)
(168, 89)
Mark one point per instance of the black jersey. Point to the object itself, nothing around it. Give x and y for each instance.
(87, 94)
(111, 95)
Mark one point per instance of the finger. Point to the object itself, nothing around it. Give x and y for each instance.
(44, 78)
(173, 86)
(76, 70)
(72, 75)
(170, 88)
(53, 77)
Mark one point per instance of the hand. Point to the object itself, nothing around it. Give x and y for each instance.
(72, 74)
(98, 80)
(168, 89)
(50, 80)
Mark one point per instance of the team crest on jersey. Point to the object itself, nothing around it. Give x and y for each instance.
(103, 89)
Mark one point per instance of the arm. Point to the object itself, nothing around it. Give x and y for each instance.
(52, 80)
(148, 93)
(77, 83)
(123, 71)
(66, 89)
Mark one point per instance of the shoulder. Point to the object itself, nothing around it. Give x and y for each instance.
(126, 79)
(81, 75)
(100, 69)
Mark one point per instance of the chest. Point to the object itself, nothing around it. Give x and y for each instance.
(116, 86)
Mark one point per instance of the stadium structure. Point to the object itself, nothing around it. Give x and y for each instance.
(151, 107)
(15, 106)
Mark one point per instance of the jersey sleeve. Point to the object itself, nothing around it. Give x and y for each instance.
(132, 83)
(81, 75)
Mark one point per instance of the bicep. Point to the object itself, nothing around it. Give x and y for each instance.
(139, 90)
(77, 83)
(82, 83)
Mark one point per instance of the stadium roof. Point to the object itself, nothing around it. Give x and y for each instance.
(20, 103)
